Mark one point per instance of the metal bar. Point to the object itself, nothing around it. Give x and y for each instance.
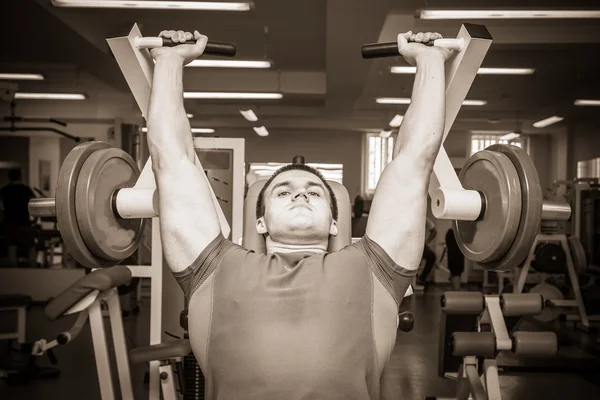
(169, 390)
(156, 288)
(107, 391)
(492, 383)
(42, 207)
(120, 347)
(503, 341)
(556, 211)
(461, 70)
(40, 129)
(575, 282)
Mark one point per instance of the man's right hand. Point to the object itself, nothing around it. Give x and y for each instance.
(186, 52)
(414, 46)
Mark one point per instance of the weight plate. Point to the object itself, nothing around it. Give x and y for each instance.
(578, 254)
(65, 204)
(531, 209)
(550, 258)
(107, 236)
(548, 292)
(493, 175)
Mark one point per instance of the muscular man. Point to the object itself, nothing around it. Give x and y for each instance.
(297, 322)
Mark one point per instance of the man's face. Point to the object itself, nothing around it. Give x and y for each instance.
(297, 209)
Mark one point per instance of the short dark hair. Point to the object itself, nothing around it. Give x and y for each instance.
(260, 202)
(14, 174)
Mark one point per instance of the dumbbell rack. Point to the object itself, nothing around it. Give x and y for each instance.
(577, 301)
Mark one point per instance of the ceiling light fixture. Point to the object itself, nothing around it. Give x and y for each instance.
(510, 136)
(506, 14)
(232, 95)
(587, 102)
(49, 96)
(481, 71)
(489, 132)
(229, 64)
(406, 100)
(547, 121)
(396, 121)
(151, 4)
(190, 115)
(261, 131)
(249, 115)
(194, 130)
(21, 77)
(385, 133)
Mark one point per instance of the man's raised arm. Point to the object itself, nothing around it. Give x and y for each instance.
(188, 219)
(398, 214)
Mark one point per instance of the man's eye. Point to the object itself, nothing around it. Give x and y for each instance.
(314, 194)
(283, 193)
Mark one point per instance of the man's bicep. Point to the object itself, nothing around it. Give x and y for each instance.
(188, 219)
(397, 217)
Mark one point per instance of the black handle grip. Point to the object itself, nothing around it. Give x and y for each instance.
(212, 48)
(407, 321)
(62, 339)
(380, 50)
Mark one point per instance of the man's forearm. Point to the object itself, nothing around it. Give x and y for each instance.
(168, 126)
(422, 129)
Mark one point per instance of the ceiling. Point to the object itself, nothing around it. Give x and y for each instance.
(315, 49)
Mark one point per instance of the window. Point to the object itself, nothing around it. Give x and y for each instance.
(379, 152)
(331, 172)
(480, 142)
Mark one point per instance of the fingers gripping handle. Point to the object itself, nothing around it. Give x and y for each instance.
(390, 49)
(212, 48)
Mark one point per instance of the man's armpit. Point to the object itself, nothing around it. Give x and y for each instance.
(193, 276)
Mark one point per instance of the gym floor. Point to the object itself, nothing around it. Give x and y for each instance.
(411, 374)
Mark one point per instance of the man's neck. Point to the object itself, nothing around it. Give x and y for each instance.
(277, 247)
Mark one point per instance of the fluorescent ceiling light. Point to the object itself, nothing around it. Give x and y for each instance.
(232, 95)
(249, 115)
(506, 71)
(261, 131)
(490, 132)
(481, 71)
(406, 100)
(393, 100)
(396, 121)
(229, 64)
(22, 77)
(203, 130)
(507, 14)
(151, 4)
(190, 115)
(194, 130)
(49, 96)
(582, 102)
(510, 136)
(474, 103)
(547, 121)
(385, 134)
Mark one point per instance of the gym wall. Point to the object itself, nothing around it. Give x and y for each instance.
(15, 149)
(583, 144)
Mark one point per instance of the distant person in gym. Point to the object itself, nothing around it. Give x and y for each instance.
(456, 260)
(297, 322)
(16, 224)
(428, 253)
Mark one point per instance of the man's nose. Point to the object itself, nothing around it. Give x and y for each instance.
(301, 193)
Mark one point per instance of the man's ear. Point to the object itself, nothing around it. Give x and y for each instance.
(333, 229)
(261, 226)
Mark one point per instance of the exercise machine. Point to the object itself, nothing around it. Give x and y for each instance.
(474, 331)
